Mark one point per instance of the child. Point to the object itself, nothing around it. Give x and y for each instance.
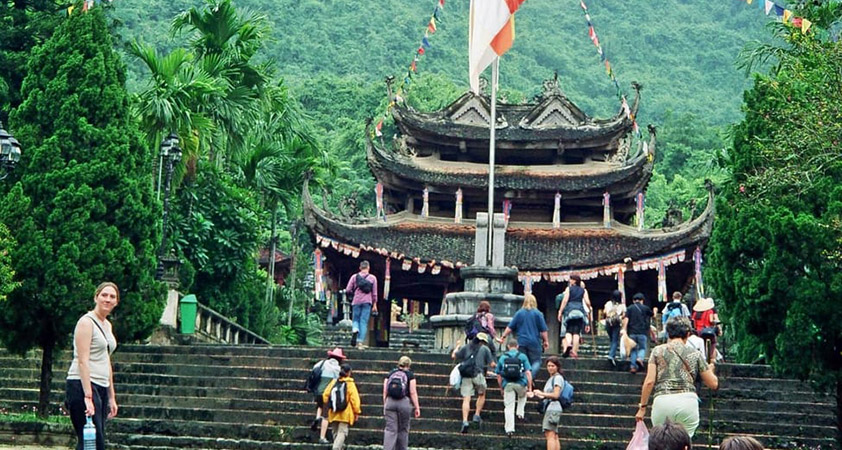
(341, 420)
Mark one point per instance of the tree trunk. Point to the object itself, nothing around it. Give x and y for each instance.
(46, 381)
(293, 257)
(270, 278)
(839, 412)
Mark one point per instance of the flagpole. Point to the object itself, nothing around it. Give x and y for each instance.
(495, 73)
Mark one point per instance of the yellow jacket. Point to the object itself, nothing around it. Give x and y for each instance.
(353, 409)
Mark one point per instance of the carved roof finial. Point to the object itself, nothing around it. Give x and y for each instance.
(552, 87)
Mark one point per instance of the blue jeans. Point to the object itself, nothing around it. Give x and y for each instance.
(614, 334)
(533, 354)
(359, 322)
(639, 351)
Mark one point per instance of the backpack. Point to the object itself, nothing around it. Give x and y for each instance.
(363, 284)
(314, 379)
(396, 385)
(338, 399)
(566, 396)
(468, 367)
(674, 310)
(512, 368)
(473, 326)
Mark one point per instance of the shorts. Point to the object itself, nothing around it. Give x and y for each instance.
(575, 326)
(551, 421)
(475, 385)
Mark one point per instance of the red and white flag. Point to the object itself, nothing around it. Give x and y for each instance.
(491, 31)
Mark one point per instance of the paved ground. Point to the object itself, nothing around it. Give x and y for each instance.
(29, 447)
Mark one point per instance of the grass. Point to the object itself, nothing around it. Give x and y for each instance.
(29, 414)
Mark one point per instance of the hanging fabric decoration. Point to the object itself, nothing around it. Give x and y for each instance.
(387, 278)
(697, 260)
(639, 212)
(378, 195)
(458, 215)
(557, 211)
(319, 293)
(425, 209)
(426, 308)
(507, 210)
(606, 210)
(662, 282)
(621, 282)
(403, 309)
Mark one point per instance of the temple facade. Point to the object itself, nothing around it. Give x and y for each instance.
(571, 189)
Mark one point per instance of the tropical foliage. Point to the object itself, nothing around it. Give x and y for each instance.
(775, 253)
(83, 210)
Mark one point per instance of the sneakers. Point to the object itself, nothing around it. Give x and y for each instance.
(465, 426)
(317, 422)
(612, 361)
(361, 346)
(354, 338)
(510, 433)
(633, 370)
(567, 352)
(477, 419)
(323, 441)
(640, 364)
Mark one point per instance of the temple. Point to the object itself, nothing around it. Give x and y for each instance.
(570, 188)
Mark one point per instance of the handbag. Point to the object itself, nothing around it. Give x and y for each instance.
(542, 405)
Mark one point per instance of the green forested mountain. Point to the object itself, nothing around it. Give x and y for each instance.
(682, 51)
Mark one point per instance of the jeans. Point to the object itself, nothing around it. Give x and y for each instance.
(361, 313)
(513, 393)
(614, 334)
(534, 356)
(639, 351)
(75, 404)
(398, 414)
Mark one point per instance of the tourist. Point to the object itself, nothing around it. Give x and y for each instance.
(706, 323)
(514, 375)
(573, 315)
(740, 443)
(675, 308)
(614, 311)
(636, 327)
(90, 379)
(400, 403)
(482, 322)
(669, 436)
(673, 367)
(363, 286)
(342, 420)
(531, 329)
(330, 371)
(473, 360)
(552, 392)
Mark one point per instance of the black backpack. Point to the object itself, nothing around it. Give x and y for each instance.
(396, 386)
(473, 326)
(314, 379)
(512, 368)
(363, 284)
(468, 367)
(338, 399)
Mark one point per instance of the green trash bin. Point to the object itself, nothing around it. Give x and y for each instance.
(188, 305)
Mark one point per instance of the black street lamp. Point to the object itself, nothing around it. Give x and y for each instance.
(9, 152)
(171, 153)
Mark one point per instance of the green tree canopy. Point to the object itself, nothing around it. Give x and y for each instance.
(775, 251)
(83, 210)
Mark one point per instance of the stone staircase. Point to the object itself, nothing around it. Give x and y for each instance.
(399, 338)
(250, 397)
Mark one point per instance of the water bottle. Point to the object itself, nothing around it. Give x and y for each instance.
(89, 435)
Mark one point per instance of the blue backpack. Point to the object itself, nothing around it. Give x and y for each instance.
(674, 310)
(566, 397)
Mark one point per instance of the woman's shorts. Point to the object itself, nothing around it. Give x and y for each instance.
(575, 326)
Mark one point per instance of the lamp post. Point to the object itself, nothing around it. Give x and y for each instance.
(9, 152)
(171, 153)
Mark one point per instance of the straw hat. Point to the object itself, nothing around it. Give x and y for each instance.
(483, 337)
(703, 305)
(336, 353)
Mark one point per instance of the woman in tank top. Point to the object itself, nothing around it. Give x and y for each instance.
(90, 379)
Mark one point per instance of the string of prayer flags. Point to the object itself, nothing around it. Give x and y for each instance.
(431, 28)
(609, 68)
(785, 15)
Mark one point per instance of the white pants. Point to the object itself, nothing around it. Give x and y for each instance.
(680, 408)
(511, 392)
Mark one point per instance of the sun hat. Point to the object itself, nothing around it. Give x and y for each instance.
(703, 305)
(483, 337)
(336, 353)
